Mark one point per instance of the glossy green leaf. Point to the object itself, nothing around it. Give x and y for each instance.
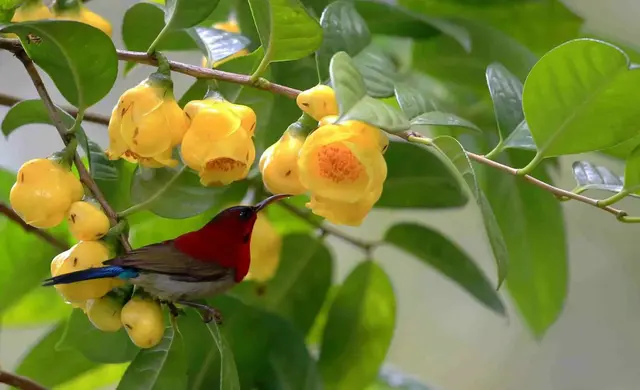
(38, 307)
(456, 153)
(285, 222)
(595, 177)
(359, 329)
(37, 363)
(80, 59)
(520, 138)
(418, 178)
(343, 30)
(506, 93)
(378, 71)
(390, 19)
(161, 367)
(143, 22)
(532, 224)
(286, 30)
(302, 280)
(177, 192)
(94, 344)
(591, 88)
(437, 118)
(445, 256)
(180, 14)
(418, 93)
(353, 102)
(218, 44)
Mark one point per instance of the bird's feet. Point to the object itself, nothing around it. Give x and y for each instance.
(208, 313)
(175, 311)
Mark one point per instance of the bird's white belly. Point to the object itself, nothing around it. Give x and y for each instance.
(165, 288)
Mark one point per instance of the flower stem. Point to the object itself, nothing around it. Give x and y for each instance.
(613, 199)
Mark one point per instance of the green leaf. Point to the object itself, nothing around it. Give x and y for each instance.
(419, 177)
(343, 30)
(532, 224)
(161, 367)
(302, 280)
(94, 344)
(439, 252)
(418, 93)
(37, 363)
(80, 59)
(590, 86)
(632, 172)
(595, 177)
(359, 329)
(378, 71)
(177, 192)
(180, 14)
(38, 307)
(196, 91)
(506, 93)
(436, 118)
(520, 138)
(218, 44)
(390, 19)
(286, 30)
(353, 102)
(456, 153)
(286, 222)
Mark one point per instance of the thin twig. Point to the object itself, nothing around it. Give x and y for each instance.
(48, 237)
(367, 246)
(85, 176)
(19, 382)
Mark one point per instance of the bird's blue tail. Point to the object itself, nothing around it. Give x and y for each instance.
(110, 271)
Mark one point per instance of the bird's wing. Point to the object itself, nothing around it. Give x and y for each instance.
(165, 258)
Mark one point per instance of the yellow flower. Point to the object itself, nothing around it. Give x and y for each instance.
(104, 313)
(83, 255)
(342, 163)
(279, 165)
(361, 129)
(143, 321)
(146, 125)
(228, 26)
(344, 213)
(87, 222)
(34, 10)
(43, 192)
(318, 101)
(216, 145)
(82, 14)
(266, 245)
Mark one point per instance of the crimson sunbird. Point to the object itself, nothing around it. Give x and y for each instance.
(195, 265)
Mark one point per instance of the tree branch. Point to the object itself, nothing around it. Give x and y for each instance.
(66, 136)
(18, 381)
(48, 237)
(8, 100)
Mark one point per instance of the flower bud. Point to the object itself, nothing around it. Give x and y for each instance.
(279, 165)
(43, 192)
(216, 145)
(318, 101)
(266, 246)
(77, 11)
(31, 10)
(87, 222)
(104, 313)
(142, 319)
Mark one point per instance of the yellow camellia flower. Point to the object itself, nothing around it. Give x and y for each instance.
(75, 10)
(87, 222)
(279, 165)
(43, 192)
(217, 145)
(83, 255)
(362, 129)
(31, 10)
(344, 213)
(342, 163)
(142, 319)
(232, 27)
(266, 245)
(318, 101)
(146, 125)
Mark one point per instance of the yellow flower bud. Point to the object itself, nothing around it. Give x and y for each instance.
(341, 164)
(143, 321)
(344, 213)
(318, 101)
(43, 192)
(87, 222)
(216, 145)
(83, 255)
(84, 15)
(104, 313)
(146, 125)
(31, 11)
(279, 165)
(266, 245)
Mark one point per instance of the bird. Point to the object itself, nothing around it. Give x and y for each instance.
(195, 265)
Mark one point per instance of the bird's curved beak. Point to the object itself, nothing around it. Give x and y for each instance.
(269, 200)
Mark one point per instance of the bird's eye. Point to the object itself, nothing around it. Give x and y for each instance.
(245, 214)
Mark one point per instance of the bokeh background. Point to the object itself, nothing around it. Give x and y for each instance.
(444, 337)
